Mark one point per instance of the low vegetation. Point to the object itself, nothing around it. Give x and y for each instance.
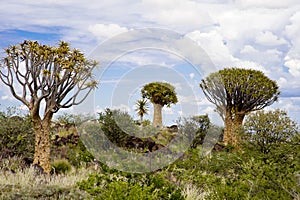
(253, 173)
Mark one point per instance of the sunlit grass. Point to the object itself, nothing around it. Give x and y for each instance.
(191, 192)
(29, 178)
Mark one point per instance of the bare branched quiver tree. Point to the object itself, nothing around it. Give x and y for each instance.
(46, 79)
(236, 92)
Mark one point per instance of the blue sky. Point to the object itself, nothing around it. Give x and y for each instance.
(255, 34)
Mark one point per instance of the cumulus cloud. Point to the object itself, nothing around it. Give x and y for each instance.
(294, 66)
(219, 52)
(177, 13)
(269, 39)
(266, 57)
(106, 30)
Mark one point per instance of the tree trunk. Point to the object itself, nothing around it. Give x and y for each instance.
(237, 124)
(42, 142)
(141, 120)
(157, 117)
(231, 130)
(227, 129)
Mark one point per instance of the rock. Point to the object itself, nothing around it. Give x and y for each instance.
(27, 161)
(218, 147)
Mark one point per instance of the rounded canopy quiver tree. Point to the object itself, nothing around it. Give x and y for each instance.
(159, 94)
(236, 92)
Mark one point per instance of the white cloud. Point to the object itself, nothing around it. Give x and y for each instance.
(219, 52)
(177, 13)
(267, 3)
(269, 39)
(267, 57)
(294, 66)
(192, 75)
(106, 30)
(4, 97)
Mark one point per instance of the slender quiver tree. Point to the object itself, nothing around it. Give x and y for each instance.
(237, 92)
(45, 79)
(142, 108)
(159, 94)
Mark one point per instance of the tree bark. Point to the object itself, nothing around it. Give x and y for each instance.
(157, 117)
(227, 129)
(237, 124)
(231, 130)
(42, 142)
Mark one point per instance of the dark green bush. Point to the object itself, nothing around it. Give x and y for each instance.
(61, 166)
(16, 134)
(118, 185)
(115, 124)
(78, 154)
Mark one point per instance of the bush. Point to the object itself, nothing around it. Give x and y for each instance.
(61, 167)
(195, 129)
(250, 174)
(268, 130)
(118, 185)
(16, 134)
(113, 123)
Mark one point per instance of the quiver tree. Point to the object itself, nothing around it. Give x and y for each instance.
(236, 92)
(160, 94)
(46, 79)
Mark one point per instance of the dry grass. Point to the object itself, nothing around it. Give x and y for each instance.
(190, 192)
(29, 178)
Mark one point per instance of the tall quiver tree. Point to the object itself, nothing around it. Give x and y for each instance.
(237, 92)
(46, 79)
(160, 94)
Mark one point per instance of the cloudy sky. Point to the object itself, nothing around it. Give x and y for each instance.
(263, 35)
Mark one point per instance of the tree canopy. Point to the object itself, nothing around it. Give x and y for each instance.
(46, 73)
(160, 93)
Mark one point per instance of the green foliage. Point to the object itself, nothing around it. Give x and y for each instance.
(250, 174)
(267, 130)
(114, 123)
(78, 154)
(142, 108)
(202, 123)
(61, 166)
(239, 90)
(16, 134)
(119, 185)
(160, 93)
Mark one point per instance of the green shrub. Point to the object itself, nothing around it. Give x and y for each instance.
(61, 167)
(16, 134)
(78, 154)
(116, 125)
(118, 185)
(268, 130)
